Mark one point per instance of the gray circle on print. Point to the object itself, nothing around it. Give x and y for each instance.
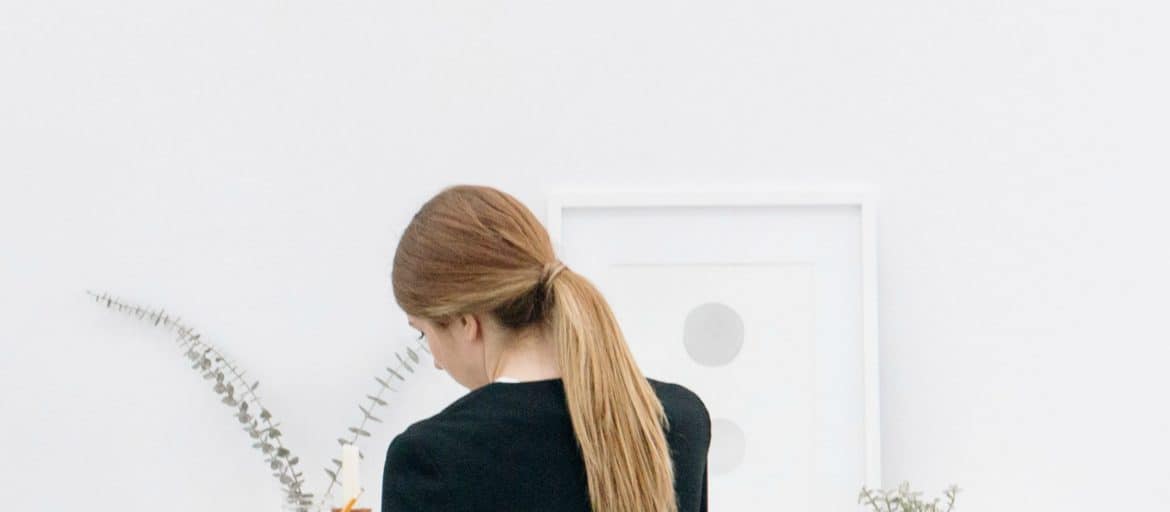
(713, 334)
(728, 446)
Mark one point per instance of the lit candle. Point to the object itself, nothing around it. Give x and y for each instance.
(350, 476)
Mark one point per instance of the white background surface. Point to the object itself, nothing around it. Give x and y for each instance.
(251, 165)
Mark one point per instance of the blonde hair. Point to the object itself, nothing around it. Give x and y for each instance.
(474, 248)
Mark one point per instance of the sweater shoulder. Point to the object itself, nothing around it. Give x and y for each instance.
(681, 400)
(484, 411)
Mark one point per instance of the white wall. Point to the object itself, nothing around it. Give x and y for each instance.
(250, 165)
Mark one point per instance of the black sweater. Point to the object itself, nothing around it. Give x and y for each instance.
(510, 447)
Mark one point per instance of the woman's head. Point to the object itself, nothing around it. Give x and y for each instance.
(467, 272)
(468, 346)
(475, 265)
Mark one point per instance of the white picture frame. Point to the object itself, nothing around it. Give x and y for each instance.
(862, 198)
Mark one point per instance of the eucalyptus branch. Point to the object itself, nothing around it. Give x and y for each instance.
(211, 361)
(904, 500)
(227, 375)
(375, 400)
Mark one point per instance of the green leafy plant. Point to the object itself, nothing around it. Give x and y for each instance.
(237, 393)
(904, 500)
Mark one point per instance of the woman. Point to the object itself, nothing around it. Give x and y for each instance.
(558, 416)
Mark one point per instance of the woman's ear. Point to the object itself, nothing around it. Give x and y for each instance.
(469, 328)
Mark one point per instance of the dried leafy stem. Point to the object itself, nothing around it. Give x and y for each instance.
(214, 365)
(903, 500)
(375, 401)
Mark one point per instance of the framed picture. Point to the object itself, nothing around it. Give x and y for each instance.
(763, 302)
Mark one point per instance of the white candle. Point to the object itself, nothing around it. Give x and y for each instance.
(350, 476)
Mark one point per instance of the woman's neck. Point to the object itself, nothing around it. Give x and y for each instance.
(528, 360)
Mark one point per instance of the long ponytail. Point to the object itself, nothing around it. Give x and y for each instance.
(474, 248)
(617, 417)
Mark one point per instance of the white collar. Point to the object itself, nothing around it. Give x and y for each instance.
(505, 379)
